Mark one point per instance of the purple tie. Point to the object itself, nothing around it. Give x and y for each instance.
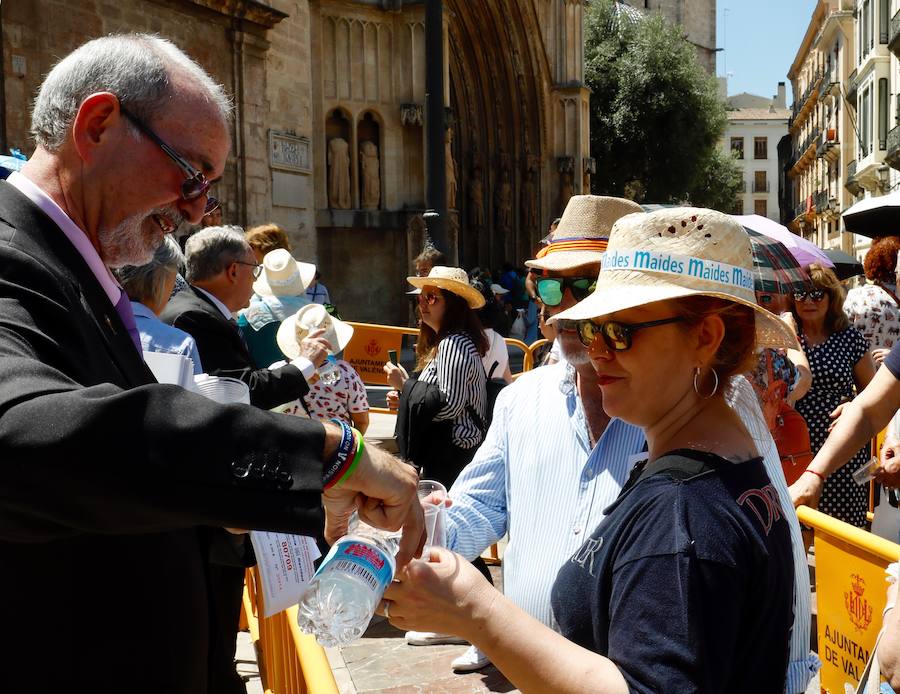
(123, 308)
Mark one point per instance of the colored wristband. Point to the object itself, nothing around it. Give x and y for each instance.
(360, 447)
(342, 459)
(817, 474)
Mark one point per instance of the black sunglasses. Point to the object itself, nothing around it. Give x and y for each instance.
(616, 335)
(812, 294)
(257, 268)
(551, 289)
(196, 184)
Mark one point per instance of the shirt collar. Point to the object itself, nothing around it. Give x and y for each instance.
(73, 232)
(140, 310)
(218, 304)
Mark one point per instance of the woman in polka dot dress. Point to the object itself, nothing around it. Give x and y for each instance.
(839, 359)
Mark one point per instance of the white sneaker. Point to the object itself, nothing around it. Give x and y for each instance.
(471, 660)
(430, 638)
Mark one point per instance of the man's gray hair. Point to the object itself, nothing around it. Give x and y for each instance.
(147, 283)
(137, 68)
(213, 249)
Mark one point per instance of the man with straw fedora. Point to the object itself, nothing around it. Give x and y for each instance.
(550, 445)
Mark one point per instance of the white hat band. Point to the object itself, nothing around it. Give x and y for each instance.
(683, 265)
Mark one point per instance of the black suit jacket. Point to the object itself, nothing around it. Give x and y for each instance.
(105, 478)
(224, 353)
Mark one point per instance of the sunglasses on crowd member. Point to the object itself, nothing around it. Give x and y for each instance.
(615, 334)
(429, 298)
(552, 289)
(815, 295)
(257, 269)
(196, 184)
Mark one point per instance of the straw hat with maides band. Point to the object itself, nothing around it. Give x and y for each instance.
(450, 279)
(582, 234)
(311, 317)
(677, 252)
(283, 276)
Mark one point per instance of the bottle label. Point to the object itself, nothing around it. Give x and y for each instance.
(362, 560)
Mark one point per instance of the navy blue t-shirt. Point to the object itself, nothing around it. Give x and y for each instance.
(892, 361)
(687, 584)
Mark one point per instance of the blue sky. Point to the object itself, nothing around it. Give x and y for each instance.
(760, 39)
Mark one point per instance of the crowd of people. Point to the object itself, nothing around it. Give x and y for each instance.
(641, 473)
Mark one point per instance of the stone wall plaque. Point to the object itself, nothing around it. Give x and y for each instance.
(289, 152)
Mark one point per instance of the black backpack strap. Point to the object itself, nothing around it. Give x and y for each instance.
(490, 373)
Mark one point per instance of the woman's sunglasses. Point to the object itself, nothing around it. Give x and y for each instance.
(552, 289)
(429, 298)
(616, 335)
(809, 294)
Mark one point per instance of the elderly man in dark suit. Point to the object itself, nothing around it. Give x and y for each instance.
(108, 475)
(221, 268)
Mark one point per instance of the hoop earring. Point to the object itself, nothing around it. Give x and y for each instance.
(696, 387)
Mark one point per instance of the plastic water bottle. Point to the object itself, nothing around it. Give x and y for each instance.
(341, 598)
(329, 373)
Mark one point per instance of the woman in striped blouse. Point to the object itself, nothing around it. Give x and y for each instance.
(441, 420)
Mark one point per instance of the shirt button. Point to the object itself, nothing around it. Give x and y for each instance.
(576, 530)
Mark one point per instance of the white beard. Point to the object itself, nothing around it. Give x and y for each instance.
(134, 240)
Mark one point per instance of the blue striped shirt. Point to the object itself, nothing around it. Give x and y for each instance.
(537, 478)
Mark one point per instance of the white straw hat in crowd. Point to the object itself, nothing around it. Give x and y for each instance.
(295, 328)
(582, 234)
(451, 279)
(677, 252)
(283, 276)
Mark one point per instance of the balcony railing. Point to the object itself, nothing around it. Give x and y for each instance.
(800, 210)
(820, 200)
(892, 155)
(894, 43)
(760, 187)
(851, 170)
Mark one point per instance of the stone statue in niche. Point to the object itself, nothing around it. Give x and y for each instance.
(529, 202)
(565, 190)
(476, 200)
(339, 174)
(371, 175)
(451, 169)
(504, 204)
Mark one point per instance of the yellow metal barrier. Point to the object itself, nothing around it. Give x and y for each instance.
(290, 662)
(850, 595)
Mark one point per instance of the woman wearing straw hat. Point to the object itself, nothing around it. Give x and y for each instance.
(345, 398)
(280, 291)
(686, 585)
(442, 409)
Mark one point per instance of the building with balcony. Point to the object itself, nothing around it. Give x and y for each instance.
(892, 153)
(752, 136)
(823, 172)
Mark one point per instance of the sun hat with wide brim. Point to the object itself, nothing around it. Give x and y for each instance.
(450, 279)
(283, 276)
(295, 328)
(583, 232)
(678, 252)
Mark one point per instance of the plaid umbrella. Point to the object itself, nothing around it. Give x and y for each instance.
(775, 268)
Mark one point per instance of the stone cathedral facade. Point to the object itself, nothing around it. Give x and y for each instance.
(328, 132)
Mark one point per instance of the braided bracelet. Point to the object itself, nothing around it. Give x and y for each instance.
(338, 465)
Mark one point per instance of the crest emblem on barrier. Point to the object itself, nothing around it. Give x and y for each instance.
(858, 608)
(373, 348)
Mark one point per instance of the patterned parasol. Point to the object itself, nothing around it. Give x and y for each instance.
(775, 268)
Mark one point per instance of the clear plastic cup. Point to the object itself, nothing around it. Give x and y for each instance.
(866, 472)
(224, 390)
(432, 495)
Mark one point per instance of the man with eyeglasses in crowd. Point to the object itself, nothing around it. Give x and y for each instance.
(107, 475)
(550, 445)
(221, 268)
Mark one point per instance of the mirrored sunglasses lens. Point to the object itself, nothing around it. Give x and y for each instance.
(212, 204)
(550, 291)
(257, 271)
(586, 332)
(616, 336)
(582, 288)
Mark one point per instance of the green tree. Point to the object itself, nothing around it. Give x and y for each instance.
(656, 115)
